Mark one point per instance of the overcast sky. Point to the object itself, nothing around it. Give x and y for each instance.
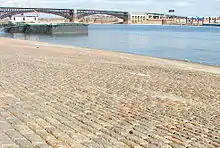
(182, 7)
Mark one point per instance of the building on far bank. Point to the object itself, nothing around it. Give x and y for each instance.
(138, 17)
(155, 18)
(24, 18)
(142, 17)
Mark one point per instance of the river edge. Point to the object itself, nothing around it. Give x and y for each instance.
(181, 63)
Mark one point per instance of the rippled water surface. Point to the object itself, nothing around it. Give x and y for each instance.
(196, 44)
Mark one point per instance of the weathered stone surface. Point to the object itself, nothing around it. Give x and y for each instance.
(72, 97)
(5, 141)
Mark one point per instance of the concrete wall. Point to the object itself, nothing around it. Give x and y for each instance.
(50, 29)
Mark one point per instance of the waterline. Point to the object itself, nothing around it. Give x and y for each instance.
(196, 44)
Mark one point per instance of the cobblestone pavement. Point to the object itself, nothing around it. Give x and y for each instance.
(65, 97)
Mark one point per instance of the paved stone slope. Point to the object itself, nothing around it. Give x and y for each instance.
(65, 97)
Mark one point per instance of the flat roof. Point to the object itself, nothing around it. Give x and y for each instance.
(24, 16)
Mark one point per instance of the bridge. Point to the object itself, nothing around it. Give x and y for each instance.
(71, 14)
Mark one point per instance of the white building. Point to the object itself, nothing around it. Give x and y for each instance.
(23, 18)
(138, 17)
(142, 16)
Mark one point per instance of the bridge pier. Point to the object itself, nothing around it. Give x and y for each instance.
(126, 20)
(71, 15)
(74, 17)
(71, 20)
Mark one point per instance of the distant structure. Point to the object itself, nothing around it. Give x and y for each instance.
(203, 20)
(24, 18)
(99, 19)
(136, 17)
(73, 15)
(155, 18)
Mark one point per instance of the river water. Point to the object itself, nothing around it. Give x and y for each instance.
(196, 44)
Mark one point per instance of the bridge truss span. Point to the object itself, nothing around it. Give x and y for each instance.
(10, 11)
(119, 14)
(71, 14)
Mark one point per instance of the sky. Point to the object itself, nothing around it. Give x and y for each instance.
(181, 7)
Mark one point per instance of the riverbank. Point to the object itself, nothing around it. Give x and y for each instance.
(63, 96)
(175, 42)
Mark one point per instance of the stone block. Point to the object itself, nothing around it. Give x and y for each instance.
(8, 146)
(35, 139)
(5, 126)
(23, 129)
(24, 143)
(12, 134)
